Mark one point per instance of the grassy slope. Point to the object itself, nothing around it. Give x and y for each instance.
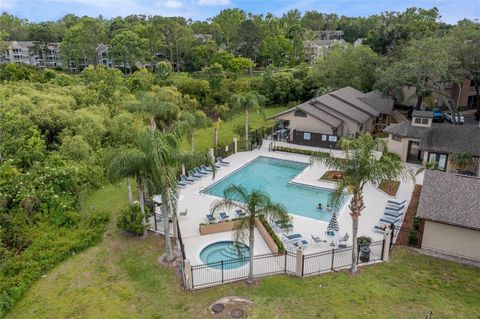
(204, 137)
(121, 278)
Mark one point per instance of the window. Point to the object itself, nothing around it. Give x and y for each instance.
(418, 120)
(299, 113)
(439, 161)
(425, 121)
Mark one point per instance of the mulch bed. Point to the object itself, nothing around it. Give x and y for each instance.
(410, 215)
(332, 176)
(391, 188)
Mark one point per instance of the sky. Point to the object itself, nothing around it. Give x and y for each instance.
(43, 10)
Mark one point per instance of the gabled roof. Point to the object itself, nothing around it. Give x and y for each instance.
(451, 199)
(425, 114)
(320, 114)
(341, 107)
(379, 101)
(449, 138)
(406, 129)
(351, 96)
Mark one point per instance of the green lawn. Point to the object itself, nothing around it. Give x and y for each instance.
(121, 278)
(226, 133)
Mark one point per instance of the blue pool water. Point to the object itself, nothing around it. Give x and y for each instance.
(273, 176)
(232, 254)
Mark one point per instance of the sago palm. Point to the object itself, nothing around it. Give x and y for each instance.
(360, 166)
(255, 204)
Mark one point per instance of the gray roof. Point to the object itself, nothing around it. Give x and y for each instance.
(320, 114)
(450, 138)
(353, 97)
(331, 102)
(405, 129)
(450, 199)
(426, 114)
(379, 101)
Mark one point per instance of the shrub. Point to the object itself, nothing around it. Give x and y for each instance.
(131, 219)
(300, 151)
(272, 233)
(364, 240)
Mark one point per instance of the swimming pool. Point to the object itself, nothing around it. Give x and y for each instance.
(274, 177)
(233, 254)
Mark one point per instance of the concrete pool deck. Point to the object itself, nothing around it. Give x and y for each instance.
(198, 205)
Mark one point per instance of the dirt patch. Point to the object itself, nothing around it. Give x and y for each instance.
(230, 307)
(405, 234)
(332, 176)
(389, 187)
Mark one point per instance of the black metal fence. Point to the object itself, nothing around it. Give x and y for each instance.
(224, 150)
(271, 264)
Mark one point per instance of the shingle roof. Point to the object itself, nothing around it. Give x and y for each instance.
(353, 97)
(379, 101)
(405, 129)
(332, 103)
(320, 114)
(426, 114)
(451, 199)
(450, 138)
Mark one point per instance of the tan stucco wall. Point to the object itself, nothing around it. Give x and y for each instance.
(308, 124)
(451, 240)
(399, 147)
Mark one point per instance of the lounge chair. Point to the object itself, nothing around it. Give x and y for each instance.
(206, 168)
(395, 209)
(186, 179)
(292, 238)
(191, 174)
(240, 213)
(389, 220)
(299, 244)
(210, 218)
(283, 226)
(380, 227)
(316, 239)
(199, 172)
(393, 214)
(224, 216)
(342, 242)
(222, 162)
(183, 213)
(395, 203)
(181, 184)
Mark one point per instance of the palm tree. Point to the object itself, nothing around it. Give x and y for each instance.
(360, 166)
(188, 122)
(255, 204)
(462, 159)
(250, 101)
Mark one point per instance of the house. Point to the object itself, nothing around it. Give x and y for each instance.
(103, 56)
(32, 53)
(465, 94)
(318, 48)
(421, 140)
(449, 208)
(322, 120)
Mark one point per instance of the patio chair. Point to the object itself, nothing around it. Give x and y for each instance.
(186, 179)
(240, 213)
(395, 209)
(181, 183)
(283, 226)
(183, 213)
(222, 161)
(395, 203)
(316, 239)
(390, 220)
(224, 216)
(342, 242)
(199, 172)
(206, 168)
(210, 218)
(191, 174)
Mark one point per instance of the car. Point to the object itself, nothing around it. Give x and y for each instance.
(477, 115)
(437, 115)
(458, 117)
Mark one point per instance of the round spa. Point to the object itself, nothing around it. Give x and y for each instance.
(233, 255)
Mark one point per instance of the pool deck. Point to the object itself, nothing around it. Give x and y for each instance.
(198, 205)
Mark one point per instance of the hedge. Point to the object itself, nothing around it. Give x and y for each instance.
(278, 242)
(52, 245)
(300, 151)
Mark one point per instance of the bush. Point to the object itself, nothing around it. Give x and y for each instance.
(131, 219)
(364, 240)
(272, 233)
(300, 151)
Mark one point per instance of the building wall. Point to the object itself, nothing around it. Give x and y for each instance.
(451, 240)
(307, 124)
(400, 147)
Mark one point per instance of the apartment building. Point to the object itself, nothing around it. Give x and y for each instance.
(32, 53)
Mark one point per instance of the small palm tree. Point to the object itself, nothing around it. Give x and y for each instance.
(255, 204)
(250, 101)
(462, 159)
(361, 166)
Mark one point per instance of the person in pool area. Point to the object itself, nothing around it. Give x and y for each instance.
(329, 208)
(319, 207)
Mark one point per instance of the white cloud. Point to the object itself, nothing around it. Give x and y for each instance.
(213, 2)
(171, 4)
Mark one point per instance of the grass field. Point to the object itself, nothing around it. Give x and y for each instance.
(121, 278)
(226, 132)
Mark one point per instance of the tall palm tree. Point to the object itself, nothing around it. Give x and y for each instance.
(360, 166)
(250, 101)
(255, 204)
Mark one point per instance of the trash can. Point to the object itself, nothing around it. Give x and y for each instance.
(364, 253)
